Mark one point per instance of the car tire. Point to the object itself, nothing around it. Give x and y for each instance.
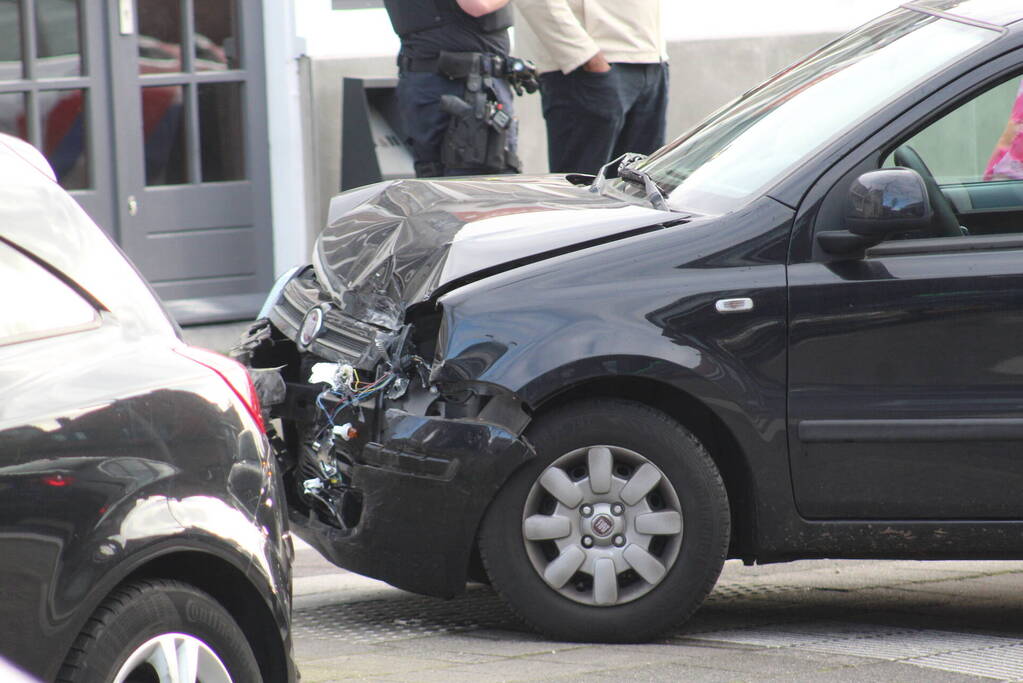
(642, 545)
(148, 624)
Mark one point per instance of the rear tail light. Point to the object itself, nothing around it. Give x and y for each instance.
(233, 373)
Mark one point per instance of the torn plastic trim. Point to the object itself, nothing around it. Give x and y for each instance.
(421, 474)
(276, 290)
(437, 447)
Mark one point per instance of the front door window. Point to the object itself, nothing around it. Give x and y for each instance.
(975, 155)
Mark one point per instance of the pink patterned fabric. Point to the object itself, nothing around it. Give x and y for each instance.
(1006, 162)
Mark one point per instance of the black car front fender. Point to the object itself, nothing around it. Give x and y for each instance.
(426, 484)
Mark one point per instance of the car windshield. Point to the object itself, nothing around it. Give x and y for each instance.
(757, 139)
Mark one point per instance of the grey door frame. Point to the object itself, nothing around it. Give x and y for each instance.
(147, 216)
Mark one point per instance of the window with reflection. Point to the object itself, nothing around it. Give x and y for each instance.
(12, 114)
(58, 44)
(161, 30)
(216, 35)
(163, 133)
(972, 159)
(159, 36)
(11, 67)
(221, 132)
(65, 139)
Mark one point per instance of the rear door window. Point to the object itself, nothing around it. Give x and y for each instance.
(36, 302)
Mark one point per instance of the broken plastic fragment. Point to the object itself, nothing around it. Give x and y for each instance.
(337, 375)
(323, 373)
(270, 386)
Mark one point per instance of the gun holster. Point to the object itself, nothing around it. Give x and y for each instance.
(477, 137)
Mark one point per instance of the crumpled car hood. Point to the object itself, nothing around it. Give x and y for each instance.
(389, 245)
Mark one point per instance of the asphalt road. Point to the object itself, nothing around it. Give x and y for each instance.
(802, 621)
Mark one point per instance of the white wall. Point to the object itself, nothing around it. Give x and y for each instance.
(367, 33)
(717, 51)
(289, 152)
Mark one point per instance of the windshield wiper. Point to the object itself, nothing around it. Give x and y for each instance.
(628, 173)
(623, 165)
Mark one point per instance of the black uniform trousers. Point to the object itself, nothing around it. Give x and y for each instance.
(595, 117)
(419, 94)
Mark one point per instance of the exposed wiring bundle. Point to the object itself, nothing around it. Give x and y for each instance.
(346, 390)
(339, 421)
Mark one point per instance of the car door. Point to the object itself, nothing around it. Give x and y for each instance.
(906, 365)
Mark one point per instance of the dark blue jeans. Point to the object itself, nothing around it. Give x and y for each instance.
(419, 96)
(593, 118)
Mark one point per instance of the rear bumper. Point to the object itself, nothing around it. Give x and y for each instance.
(425, 487)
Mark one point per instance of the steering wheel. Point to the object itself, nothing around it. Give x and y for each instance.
(945, 223)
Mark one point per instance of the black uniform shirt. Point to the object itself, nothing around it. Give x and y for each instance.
(454, 37)
(460, 33)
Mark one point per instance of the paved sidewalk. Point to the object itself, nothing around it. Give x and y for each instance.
(804, 621)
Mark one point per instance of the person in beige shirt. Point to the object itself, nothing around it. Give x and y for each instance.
(603, 80)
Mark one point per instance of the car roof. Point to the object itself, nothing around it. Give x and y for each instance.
(996, 12)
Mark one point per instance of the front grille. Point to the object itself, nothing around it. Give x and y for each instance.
(343, 337)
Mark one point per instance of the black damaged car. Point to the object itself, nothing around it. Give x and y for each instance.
(794, 332)
(142, 531)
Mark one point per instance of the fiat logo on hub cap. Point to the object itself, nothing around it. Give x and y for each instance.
(311, 326)
(602, 525)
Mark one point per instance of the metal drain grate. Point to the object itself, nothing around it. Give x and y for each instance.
(1005, 663)
(974, 654)
(404, 617)
(739, 591)
(413, 615)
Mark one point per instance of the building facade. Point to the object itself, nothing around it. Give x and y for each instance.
(156, 116)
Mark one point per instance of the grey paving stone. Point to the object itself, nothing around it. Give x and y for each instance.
(511, 669)
(368, 666)
(887, 671)
(501, 644)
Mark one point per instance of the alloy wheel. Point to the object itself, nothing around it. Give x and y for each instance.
(173, 658)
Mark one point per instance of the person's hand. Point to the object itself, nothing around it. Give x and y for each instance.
(597, 64)
(477, 8)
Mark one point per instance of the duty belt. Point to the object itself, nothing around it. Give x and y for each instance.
(490, 64)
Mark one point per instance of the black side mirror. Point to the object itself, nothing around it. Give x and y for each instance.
(880, 204)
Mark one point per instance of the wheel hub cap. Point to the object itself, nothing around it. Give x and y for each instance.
(602, 525)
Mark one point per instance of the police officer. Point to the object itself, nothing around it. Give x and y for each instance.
(454, 87)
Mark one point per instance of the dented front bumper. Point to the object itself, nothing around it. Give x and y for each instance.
(424, 486)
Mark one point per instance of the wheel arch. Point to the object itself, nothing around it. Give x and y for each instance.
(230, 587)
(695, 416)
(692, 414)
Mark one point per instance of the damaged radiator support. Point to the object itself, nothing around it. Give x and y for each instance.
(343, 424)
